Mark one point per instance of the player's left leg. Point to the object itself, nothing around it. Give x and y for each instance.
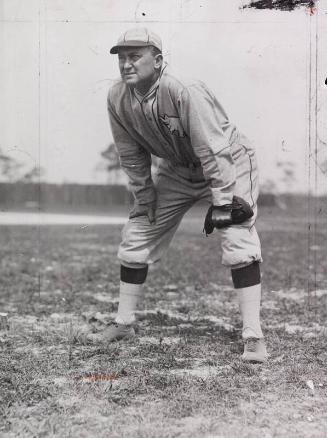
(242, 253)
(247, 282)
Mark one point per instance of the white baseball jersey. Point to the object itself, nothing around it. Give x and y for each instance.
(181, 122)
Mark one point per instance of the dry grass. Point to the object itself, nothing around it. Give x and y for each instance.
(182, 376)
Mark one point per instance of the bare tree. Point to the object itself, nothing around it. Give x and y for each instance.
(9, 168)
(111, 165)
(33, 175)
(288, 179)
(110, 154)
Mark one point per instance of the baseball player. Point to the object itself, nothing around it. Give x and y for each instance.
(203, 156)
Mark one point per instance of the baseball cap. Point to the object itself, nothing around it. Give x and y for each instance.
(137, 37)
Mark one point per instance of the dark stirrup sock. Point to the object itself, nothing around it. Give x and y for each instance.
(246, 276)
(132, 275)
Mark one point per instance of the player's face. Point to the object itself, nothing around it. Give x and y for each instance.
(138, 66)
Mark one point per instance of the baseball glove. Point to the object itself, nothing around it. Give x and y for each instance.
(226, 215)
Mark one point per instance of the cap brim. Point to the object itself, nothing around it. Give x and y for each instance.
(114, 50)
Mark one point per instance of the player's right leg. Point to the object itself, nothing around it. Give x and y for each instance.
(143, 244)
(131, 293)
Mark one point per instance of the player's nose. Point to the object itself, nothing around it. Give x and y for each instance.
(127, 64)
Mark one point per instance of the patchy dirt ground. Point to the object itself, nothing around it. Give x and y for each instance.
(182, 376)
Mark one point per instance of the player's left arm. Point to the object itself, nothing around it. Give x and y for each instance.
(202, 118)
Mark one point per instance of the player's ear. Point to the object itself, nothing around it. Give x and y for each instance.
(158, 59)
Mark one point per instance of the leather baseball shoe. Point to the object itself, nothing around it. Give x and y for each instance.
(255, 350)
(114, 332)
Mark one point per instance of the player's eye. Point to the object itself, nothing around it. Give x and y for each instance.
(130, 58)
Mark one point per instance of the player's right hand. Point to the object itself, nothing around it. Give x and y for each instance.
(152, 214)
(148, 210)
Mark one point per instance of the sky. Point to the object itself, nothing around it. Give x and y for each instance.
(56, 70)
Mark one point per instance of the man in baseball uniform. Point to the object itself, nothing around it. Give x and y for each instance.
(203, 156)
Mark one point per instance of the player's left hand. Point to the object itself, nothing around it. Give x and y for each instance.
(148, 210)
(226, 215)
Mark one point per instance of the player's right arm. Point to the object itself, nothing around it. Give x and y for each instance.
(136, 163)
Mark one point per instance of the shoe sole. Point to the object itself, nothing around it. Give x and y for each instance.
(97, 338)
(254, 359)
(120, 338)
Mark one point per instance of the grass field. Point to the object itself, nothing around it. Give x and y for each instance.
(182, 376)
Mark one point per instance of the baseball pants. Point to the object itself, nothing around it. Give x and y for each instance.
(178, 189)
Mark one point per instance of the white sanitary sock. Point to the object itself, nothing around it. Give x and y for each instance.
(249, 299)
(129, 296)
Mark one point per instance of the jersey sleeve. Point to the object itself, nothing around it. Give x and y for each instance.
(203, 118)
(134, 160)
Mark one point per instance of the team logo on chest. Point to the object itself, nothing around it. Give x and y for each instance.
(173, 124)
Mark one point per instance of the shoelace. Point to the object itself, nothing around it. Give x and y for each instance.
(117, 325)
(251, 344)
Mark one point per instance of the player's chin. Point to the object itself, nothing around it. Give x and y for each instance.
(130, 79)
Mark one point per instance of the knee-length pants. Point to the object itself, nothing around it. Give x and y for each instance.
(178, 189)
